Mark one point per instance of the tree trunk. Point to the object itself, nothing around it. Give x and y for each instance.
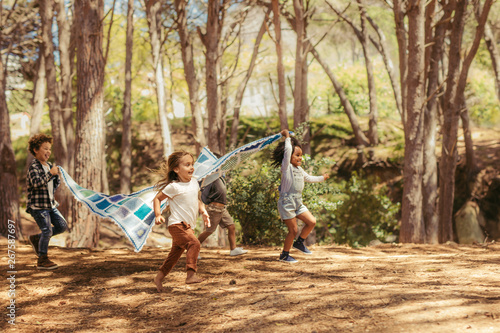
(430, 177)
(211, 42)
(9, 198)
(301, 107)
(37, 103)
(66, 89)
(58, 130)
(190, 75)
(383, 50)
(372, 92)
(453, 105)
(89, 116)
(491, 44)
(126, 149)
(280, 67)
(241, 88)
(360, 137)
(153, 13)
(470, 158)
(399, 14)
(412, 228)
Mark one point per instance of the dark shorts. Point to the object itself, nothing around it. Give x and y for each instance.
(218, 216)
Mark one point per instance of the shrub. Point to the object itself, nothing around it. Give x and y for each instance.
(366, 214)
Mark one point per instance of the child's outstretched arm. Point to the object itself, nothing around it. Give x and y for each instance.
(156, 205)
(314, 179)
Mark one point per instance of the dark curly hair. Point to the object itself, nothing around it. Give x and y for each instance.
(279, 151)
(36, 141)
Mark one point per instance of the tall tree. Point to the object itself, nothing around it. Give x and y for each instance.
(56, 120)
(242, 86)
(372, 92)
(37, 102)
(9, 198)
(412, 229)
(89, 116)
(454, 104)
(491, 44)
(126, 148)
(211, 40)
(279, 64)
(153, 14)
(187, 52)
(66, 59)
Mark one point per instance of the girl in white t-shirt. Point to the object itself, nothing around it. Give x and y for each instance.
(182, 192)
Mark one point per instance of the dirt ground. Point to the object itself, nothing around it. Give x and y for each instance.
(387, 288)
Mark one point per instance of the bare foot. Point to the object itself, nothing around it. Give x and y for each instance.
(159, 281)
(193, 278)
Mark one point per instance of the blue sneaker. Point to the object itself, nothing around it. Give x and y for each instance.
(287, 258)
(301, 247)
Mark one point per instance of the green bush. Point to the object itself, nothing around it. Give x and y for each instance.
(253, 199)
(366, 214)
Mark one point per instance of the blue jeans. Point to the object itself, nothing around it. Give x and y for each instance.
(45, 218)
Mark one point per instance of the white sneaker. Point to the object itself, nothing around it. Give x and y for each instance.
(237, 251)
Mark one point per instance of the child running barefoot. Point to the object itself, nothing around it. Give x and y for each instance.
(182, 192)
(42, 181)
(288, 154)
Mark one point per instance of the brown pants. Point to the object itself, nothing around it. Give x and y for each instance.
(183, 238)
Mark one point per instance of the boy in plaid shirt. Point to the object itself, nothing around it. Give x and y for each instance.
(42, 181)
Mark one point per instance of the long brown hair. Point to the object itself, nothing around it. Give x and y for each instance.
(166, 169)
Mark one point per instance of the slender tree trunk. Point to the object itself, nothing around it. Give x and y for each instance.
(470, 158)
(37, 102)
(454, 103)
(190, 74)
(360, 137)
(491, 44)
(399, 14)
(66, 89)
(9, 198)
(89, 116)
(430, 177)
(412, 228)
(372, 91)
(126, 149)
(153, 12)
(280, 67)
(211, 42)
(383, 50)
(58, 130)
(301, 107)
(241, 88)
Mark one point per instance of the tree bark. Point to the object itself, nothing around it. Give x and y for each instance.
(9, 198)
(126, 147)
(372, 91)
(211, 41)
(241, 88)
(280, 67)
(491, 45)
(430, 176)
(399, 14)
(190, 75)
(66, 89)
(412, 228)
(37, 102)
(359, 136)
(153, 13)
(58, 130)
(89, 116)
(454, 103)
(470, 157)
(301, 106)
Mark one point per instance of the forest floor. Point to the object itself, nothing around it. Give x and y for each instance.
(385, 288)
